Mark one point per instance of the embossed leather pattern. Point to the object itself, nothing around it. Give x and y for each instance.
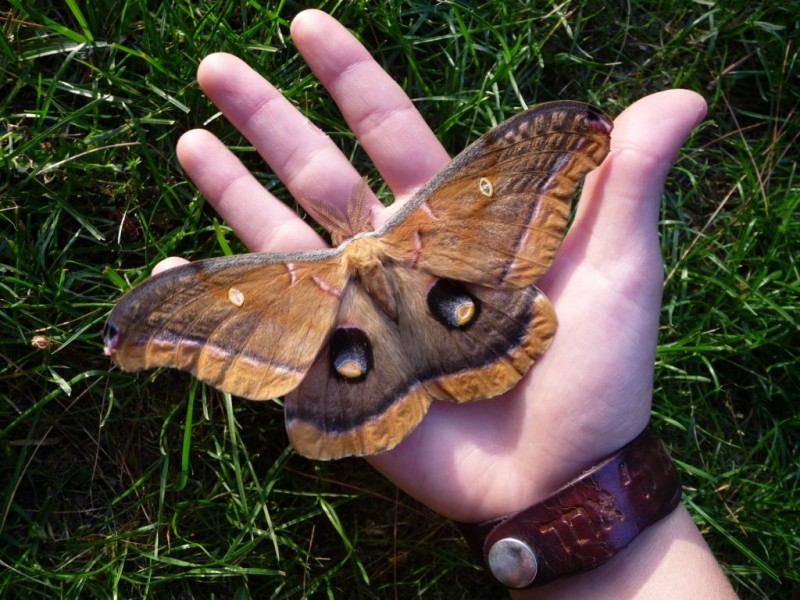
(594, 516)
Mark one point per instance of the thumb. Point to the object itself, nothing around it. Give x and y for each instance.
(618, 217)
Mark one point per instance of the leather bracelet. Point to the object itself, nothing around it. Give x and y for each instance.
(584, 523)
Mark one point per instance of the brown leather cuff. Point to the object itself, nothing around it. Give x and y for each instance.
(584, 523)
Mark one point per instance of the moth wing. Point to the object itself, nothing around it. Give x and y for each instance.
(370, 408)
(476, 341)
(250, 325)
(451, 341)
(496, 214)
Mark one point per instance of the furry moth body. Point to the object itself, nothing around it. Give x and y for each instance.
(438, 303)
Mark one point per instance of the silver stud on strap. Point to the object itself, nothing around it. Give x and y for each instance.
(513, 563)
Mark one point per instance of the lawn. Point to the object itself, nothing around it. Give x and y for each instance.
(119, 485)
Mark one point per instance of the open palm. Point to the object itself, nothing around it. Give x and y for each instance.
(590, 394)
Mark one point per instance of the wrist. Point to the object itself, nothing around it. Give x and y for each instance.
(586, 522)
(670, 559)
(559, 462)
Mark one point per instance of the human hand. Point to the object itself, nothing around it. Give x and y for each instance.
(590, 393)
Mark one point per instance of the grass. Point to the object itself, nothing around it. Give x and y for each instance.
(153, 485)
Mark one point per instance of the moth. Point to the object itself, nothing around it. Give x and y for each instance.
(438, 303)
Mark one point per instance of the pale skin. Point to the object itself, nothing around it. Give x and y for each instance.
(588, 396)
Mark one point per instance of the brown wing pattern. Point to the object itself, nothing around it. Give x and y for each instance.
(242, 324)
(496, 215)
(329, 416)
(413, 360)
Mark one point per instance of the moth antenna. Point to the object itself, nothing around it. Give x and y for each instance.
(329, 216)
(358, 215)
(343, 225)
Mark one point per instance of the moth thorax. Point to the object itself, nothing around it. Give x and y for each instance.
(363, 253)
(366, 261)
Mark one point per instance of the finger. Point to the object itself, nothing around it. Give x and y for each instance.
(260, 220)
(387, 124)
(168, 263)
(610, 267)
(303, 157)
(617, 219)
